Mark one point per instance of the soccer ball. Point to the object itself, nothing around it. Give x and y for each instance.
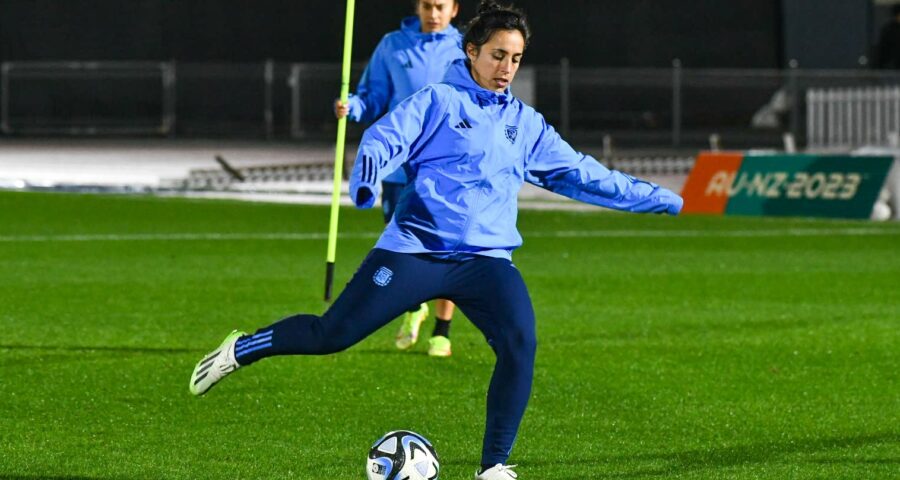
(402, 455)
(881, 212)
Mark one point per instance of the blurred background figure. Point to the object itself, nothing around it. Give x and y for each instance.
(403, 62)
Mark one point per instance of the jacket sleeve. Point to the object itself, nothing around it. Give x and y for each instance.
(554, 165)
(387, 144)
(375, 89)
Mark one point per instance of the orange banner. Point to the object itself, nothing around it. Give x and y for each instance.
(708, 186)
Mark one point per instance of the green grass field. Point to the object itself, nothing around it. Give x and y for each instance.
(689, 347)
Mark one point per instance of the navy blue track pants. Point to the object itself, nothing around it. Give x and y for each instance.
(489, 291)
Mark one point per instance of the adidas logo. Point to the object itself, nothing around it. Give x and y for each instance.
(464, 124)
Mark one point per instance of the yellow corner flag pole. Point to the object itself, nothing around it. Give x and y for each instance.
(339, 153)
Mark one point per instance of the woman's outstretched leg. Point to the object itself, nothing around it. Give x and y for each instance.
(384, 286)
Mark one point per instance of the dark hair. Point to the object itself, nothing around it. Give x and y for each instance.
(415, 3)
(492, 17)
(895, 10)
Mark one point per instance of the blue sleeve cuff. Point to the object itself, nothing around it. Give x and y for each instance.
(357, 108)
(363, 196)
(674, 201)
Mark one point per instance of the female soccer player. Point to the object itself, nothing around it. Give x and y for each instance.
(403, 62)
(467, 145)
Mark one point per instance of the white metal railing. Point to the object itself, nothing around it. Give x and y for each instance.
(852, 117)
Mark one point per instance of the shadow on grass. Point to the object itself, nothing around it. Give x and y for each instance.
(50, 477)
(85, 349)
(44, 354)
(688, 330)
(756, 453)
(864, 461)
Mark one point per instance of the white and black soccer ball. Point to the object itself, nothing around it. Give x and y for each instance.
(402, 455)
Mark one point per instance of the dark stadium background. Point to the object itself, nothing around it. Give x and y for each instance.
(220, 48)
(634, 33)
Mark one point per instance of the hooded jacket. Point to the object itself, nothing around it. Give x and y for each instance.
(467, 151)
(404, 61)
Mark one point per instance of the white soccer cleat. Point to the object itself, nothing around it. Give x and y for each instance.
(497, 472)
(216, 365)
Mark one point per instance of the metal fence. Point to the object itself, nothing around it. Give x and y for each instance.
(631, 108)
(850, 117)
(85, 98)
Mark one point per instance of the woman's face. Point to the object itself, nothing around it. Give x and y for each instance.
(494, 64)
(435, 15)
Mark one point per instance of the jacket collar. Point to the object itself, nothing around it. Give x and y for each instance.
(412, 27)
(458, 74)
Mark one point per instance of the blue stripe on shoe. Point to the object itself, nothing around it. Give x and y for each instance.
(252, 349)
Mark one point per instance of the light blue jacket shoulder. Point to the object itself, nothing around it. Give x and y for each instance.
(404, 61)
(467, 151)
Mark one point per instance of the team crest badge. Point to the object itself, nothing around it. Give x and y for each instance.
(511, 133)
(383, 276)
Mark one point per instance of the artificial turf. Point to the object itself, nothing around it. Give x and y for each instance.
(691, 347)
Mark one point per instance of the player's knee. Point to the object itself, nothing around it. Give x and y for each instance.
(327, 337)
(528, 344)
(517, 344)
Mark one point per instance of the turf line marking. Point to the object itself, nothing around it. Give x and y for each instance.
(173, 237)
(788, 232)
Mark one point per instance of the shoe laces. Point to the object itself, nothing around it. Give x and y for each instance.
(507, 469)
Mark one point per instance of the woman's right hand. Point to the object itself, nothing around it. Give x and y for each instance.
(341, 109)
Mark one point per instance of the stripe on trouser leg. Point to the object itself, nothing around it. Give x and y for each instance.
(245, 339)
(252, 345)
(252, 349)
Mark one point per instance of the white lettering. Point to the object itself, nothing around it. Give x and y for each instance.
(815, 185)
(850, 186)
(758, 185)
(720, 183)
(795, 189)
(774, 190)
(834, 182)
(740, 184)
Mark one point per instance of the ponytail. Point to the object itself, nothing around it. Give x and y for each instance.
(493, 16)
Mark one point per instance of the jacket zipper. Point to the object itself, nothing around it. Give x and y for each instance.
(477, 202)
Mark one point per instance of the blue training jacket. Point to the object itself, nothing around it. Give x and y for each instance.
(403, 62)
(467, 151)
